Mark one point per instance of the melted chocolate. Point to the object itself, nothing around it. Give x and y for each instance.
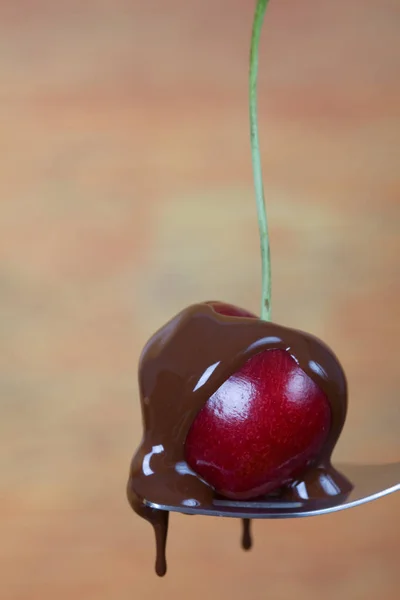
(247, 541)
(181, 366)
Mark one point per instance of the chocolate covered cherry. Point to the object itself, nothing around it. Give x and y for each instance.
(233, 404)
(237, 406)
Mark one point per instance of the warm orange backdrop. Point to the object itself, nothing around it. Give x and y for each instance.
(125, 194)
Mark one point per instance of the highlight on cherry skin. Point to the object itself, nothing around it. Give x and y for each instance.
(263, 426)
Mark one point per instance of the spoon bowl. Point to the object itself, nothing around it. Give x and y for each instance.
(370, 482)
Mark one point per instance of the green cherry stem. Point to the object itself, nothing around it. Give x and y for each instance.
(256, 160)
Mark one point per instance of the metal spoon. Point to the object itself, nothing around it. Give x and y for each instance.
(370, 482)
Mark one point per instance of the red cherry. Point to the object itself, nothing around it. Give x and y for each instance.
(261, 428)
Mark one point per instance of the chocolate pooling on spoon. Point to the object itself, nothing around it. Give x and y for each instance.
(180, 368)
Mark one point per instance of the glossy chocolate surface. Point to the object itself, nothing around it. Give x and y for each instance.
(181, 366)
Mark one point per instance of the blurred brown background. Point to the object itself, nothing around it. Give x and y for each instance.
(126, 194)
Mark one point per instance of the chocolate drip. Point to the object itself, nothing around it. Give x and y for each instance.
(159, 521)
(181, 366)
(247, 541)
(160, 524)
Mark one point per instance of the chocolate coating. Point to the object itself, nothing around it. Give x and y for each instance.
(181, 366)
